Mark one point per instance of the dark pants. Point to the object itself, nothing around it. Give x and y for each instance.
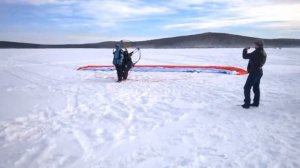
(126, 69)
(119, 69)
(253, 80)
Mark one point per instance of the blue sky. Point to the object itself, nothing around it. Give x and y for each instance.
(84, 21)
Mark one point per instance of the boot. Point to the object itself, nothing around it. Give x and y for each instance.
(246, 106)
(254, 104)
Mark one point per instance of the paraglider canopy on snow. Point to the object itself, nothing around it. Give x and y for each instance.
(172, 68)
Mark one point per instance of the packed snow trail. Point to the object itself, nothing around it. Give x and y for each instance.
(55, 116)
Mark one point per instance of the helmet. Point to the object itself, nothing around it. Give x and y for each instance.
(259, 42)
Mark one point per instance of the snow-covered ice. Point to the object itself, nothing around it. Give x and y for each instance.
(54, 116)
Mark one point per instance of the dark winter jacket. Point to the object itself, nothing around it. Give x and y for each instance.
(257, 59)
(118, 57)
(127, 58)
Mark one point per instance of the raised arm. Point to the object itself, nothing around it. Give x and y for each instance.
(247, 55)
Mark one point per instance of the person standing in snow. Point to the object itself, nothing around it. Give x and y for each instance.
(257, 60)
(118, 61)
(127, 63)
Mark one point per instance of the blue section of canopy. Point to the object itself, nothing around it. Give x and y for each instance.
(162, 69)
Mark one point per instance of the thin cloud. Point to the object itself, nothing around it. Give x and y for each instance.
(105, 13)
(239, 14)
(111, 13)
(38, 2)
(111, 19)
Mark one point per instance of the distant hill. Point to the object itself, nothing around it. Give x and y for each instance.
(205, 40)
(6, 44)
(216, 40)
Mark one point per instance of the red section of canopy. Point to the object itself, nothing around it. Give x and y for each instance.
(239, 71)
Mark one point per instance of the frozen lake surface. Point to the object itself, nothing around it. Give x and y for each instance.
(54, 116)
